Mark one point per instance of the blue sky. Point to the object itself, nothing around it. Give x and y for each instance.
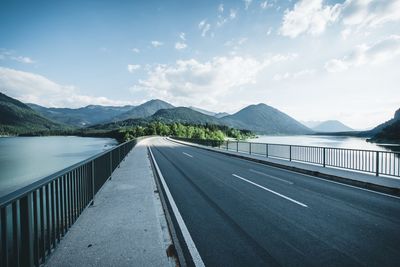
(313, 59)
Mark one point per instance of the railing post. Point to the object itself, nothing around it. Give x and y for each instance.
(266, 150)
(323, 157)
(377, 163)
(93, 193)
(119, 156)
(290, 152)
(4, 240)
(250, 148)
(26, 213)
(237, 146)
(111, 170)
(227, 144)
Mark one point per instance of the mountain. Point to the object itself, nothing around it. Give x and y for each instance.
(206, 112)
(264, 119)
(311, 124)
(331, 126)
(388, 131)
(172, 115)
(80, 117)
(144, 110)
(221, 114)
(183, 115)
(18, 118)
(210, 113)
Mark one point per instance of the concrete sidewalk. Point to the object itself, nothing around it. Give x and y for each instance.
(126, 225)
(369, 181)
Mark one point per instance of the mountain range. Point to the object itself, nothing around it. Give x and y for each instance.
(328, 126)
(260, 118)
(17, 117)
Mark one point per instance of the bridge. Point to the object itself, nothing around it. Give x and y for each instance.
(164, 202)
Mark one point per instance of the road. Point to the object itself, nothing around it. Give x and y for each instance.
(241, 213)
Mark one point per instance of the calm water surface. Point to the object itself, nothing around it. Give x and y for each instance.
(24, 160)
(324, 141)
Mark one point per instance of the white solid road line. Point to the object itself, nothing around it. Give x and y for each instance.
(271, 191)
(270, 176)
(187, 154)
(185, 232)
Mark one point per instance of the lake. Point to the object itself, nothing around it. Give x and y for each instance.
(24, 160)
(324, 141)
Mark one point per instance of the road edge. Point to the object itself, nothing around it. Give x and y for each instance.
(175, 221)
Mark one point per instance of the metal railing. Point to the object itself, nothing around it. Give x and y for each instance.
(34, 218)
(370, 161)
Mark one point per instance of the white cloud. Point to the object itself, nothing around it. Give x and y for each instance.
(33, 88)
(336, 65)
(25, 60)
(156, 44)
(265, 5)
(10, 54)
(221, 8)
(180, 46)
(308, 16)
(232, 14)
(222, 19)
(135, 50)
(182, 36)
(247, 3)
(132, 68)
(296, 75)
(269, 31)
(204, 27)
(313, 16)
(368, 13)
(202, 23)
(192, 82)
(376, 53)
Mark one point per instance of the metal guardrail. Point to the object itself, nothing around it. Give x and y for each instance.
(34, 218)
(370, 161)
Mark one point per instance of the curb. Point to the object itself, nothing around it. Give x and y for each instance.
(370, 186)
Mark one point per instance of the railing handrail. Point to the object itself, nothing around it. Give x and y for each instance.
(18, 193)
(326, 147)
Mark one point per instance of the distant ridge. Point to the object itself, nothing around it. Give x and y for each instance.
(144, 110)
(210, 113)
(18, 118)
(81, 117)
(331, 126)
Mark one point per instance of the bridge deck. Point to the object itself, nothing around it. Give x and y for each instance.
(125, 226)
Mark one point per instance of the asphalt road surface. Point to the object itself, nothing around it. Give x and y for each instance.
(241, 213)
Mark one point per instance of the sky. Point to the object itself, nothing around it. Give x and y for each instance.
(312, 59)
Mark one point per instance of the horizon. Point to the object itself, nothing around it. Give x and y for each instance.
(216, 112)
(313, 60)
